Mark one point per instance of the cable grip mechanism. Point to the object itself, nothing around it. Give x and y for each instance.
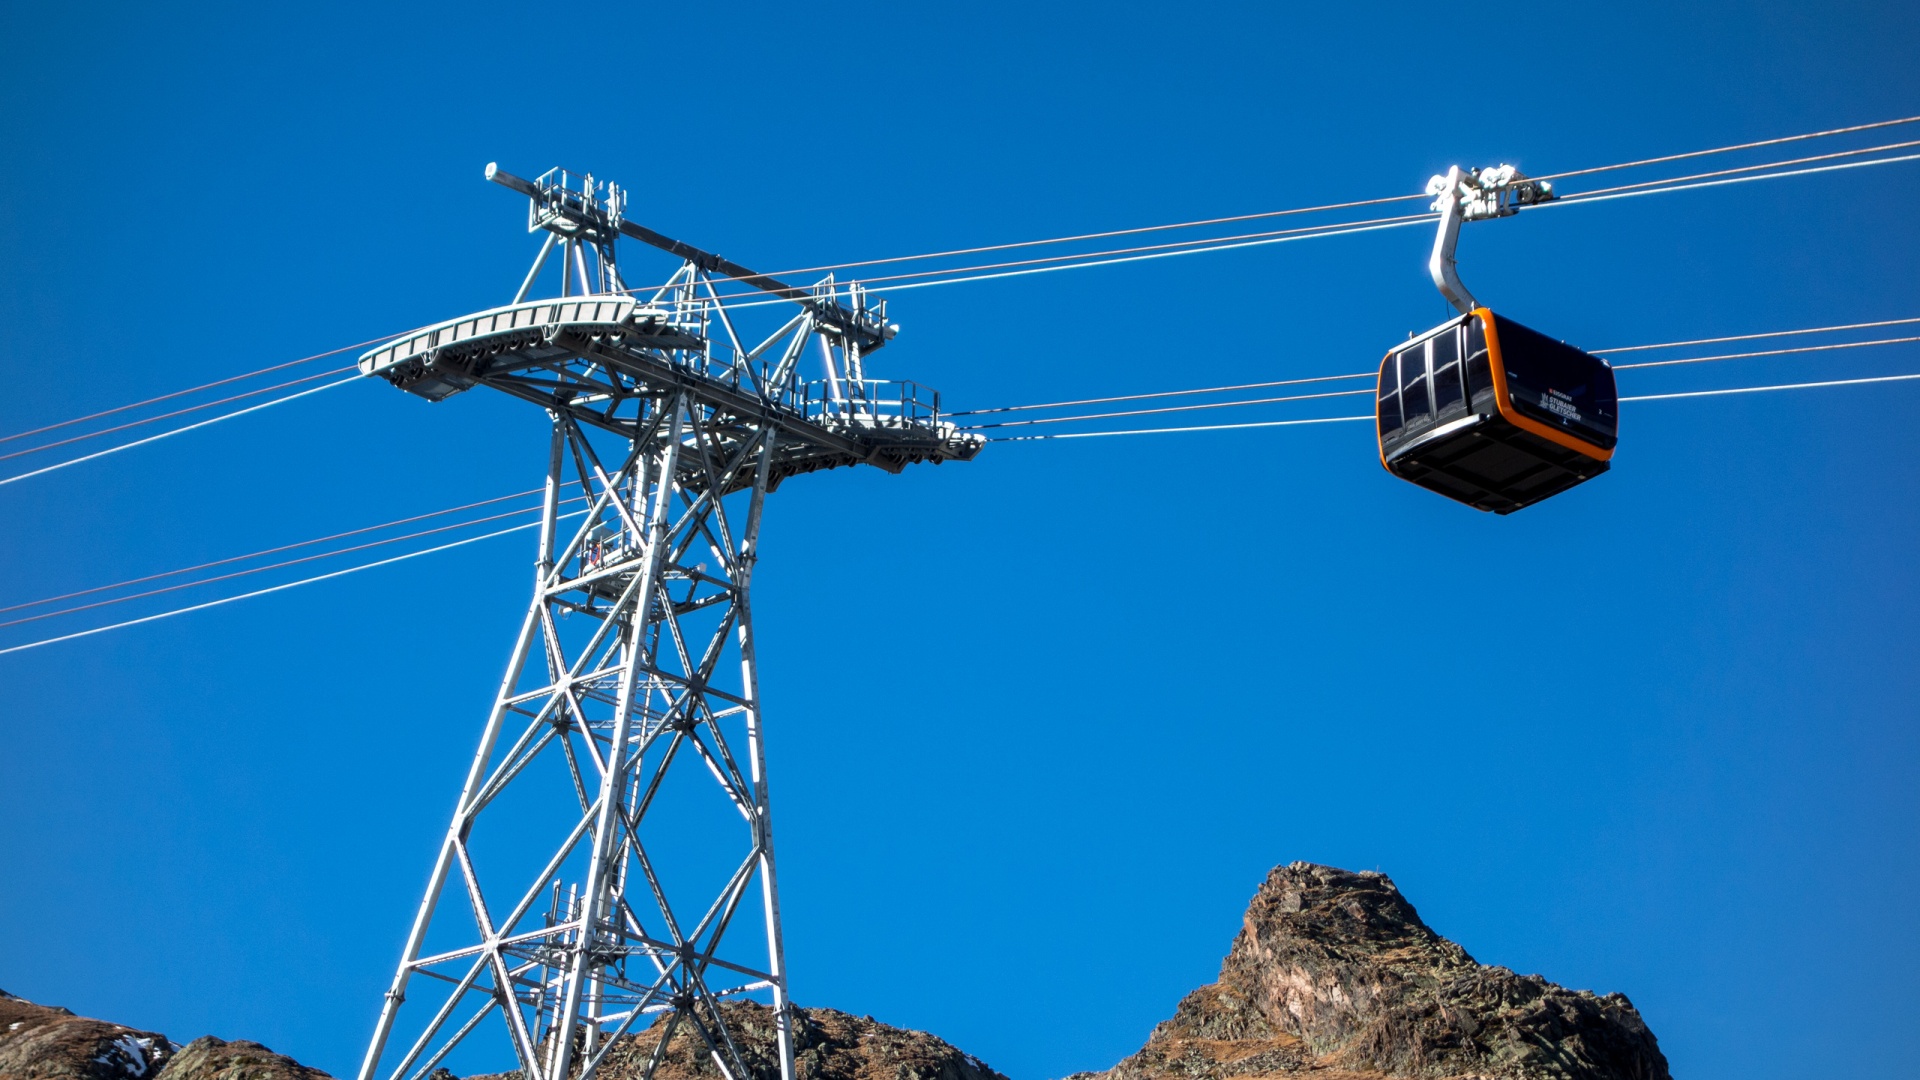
(1474, 195)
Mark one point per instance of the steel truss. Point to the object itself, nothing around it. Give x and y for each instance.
(633, 680)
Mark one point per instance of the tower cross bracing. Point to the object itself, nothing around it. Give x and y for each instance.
(591, 908)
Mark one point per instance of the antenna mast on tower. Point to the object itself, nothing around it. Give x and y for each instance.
(633, 679)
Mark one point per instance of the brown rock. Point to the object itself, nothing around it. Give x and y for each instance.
(828, 1045)
(208, 1058)
(39, 1042)
(1334, 976)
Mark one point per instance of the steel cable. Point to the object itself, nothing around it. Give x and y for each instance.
(1169, 409)
(1383, 200)
(1159, 394)
(276, 566)
(1116, 414)
(1730, 149)
(1756, 337)
(1083, 260)
(170, 415)
(266, 551)
(1012, 438)
(1347, 419)
(1214, 243)
(1765, 352)
(1369, 374)
(176, 431)
(278, 588)
(192, 390)
(1765, 389)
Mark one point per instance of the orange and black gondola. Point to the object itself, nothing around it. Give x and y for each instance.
(1490, 413)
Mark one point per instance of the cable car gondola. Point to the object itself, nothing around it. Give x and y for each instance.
(1493, 414)
(1482, 409)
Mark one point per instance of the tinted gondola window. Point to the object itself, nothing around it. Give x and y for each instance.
(1479, 374)
(1388, 404)
(1413, 384)
(1446, 370)
(1557, 383)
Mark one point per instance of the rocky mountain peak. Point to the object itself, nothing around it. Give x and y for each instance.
(46, 1042)
(1332, 976)
(1334, 973)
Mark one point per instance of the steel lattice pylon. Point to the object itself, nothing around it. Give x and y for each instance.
(634, 668)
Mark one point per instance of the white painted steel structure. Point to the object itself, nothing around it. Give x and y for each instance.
(633, 680)
(1474, 195)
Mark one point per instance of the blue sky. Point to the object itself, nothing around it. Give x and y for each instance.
(1655, 736)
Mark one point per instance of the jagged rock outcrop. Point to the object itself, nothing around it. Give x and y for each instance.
(40, 1042)
(208, 1058)
(1333, 976)
(827, 1045)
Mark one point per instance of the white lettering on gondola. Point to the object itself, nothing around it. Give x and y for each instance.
(1559, 404)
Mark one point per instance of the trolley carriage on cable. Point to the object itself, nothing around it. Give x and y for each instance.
(1482, 409)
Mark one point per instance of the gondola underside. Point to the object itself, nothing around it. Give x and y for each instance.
(1491, 465)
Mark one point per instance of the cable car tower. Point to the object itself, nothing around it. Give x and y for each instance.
(578, 908)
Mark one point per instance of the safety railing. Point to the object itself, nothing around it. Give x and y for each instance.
(875, 402)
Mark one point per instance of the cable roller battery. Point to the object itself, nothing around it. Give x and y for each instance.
(1493, 414)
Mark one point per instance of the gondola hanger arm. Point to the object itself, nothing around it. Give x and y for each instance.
(1474, 195)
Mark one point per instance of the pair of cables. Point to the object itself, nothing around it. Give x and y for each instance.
(1864, 157)
(117, 593)
(1214, 222)
(1000, 426)
(1368, 417)
(63, 437)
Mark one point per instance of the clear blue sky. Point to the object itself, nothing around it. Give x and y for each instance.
(1656, 736)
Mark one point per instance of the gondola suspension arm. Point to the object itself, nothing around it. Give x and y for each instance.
(1472, 196)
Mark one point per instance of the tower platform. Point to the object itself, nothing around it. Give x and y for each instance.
(590, 356)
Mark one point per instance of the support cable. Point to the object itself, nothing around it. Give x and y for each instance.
(1004, 409)
(1166, 431)
(1162, 393)
(1765, 352)
(1200, 248)
(1086, 260)
(281, 587)
(276, 566)
(1753, 337)
(194, 389)
(1343, 419)
(1671, 181)
(1766, 389)
(1167, 409)
(1384, 200)
(1312, 229)
(1609, 194)
(1369, 374)
(1730, 149)
(176, 431)
(177, 412)
(1186, 246)
(268, 551)
(1107, 234)
(1006, 438)
(1211, 243)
